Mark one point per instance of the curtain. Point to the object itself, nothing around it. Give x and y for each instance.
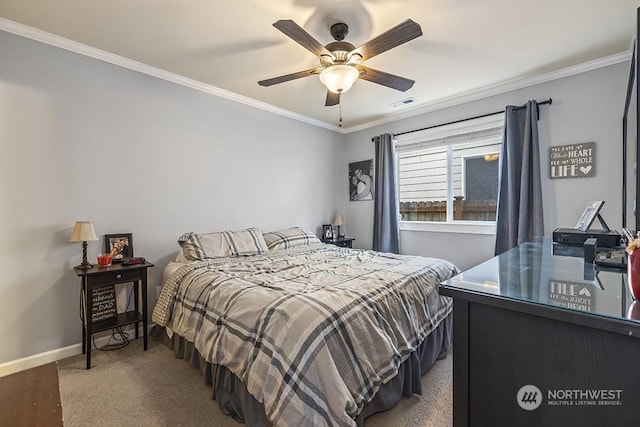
(519, 217)
(386, 236)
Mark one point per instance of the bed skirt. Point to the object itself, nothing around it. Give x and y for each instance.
(234, 399)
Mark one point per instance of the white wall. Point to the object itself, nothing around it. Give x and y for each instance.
(84, 140)
(586, 107)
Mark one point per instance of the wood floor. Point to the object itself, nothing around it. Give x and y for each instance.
(31, 398)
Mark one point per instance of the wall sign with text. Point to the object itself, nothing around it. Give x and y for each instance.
(104, 303)
(572, 161)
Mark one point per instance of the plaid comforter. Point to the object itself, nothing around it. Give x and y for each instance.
(313, 332)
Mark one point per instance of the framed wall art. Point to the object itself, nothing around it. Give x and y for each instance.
(361, 180)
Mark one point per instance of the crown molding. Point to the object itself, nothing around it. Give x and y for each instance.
(496, 89)
(121, 61)
(485, 92)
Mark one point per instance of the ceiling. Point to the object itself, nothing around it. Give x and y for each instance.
(467, 45)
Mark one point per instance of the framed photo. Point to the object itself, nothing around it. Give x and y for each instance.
(361, 180)
(327, 232)
(120, 246)
(589, 215)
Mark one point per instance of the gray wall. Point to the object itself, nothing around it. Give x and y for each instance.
(586, 107)
(85, 140)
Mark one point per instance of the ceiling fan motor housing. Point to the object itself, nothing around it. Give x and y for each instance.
(339, 31)
(340, 50)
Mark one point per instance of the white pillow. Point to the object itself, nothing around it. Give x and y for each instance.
(289, 238)
(217, 244)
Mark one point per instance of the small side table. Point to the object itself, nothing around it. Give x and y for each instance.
(343, 242)
(97, 277)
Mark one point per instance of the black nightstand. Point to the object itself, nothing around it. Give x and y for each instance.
(343, 242)
(98, 277)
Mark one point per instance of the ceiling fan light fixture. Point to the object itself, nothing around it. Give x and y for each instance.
(354, 58)
(327, 60)
(339, 78)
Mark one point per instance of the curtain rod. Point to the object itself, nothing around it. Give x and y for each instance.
(548, 101)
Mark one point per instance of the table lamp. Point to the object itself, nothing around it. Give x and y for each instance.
(338, 222)
(83, 232)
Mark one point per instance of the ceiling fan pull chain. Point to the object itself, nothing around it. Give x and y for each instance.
(340, 107)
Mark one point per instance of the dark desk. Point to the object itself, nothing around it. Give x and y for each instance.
(543, 340)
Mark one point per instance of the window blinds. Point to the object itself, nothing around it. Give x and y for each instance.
(476, 131)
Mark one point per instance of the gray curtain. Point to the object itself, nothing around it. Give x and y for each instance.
(519, 217)
(386, 236)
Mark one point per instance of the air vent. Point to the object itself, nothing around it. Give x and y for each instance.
(404, 102)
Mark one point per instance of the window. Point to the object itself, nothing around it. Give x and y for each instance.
(449, 173)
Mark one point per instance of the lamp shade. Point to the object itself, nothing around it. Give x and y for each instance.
(339, 78)
(338, 220)
(83, 231)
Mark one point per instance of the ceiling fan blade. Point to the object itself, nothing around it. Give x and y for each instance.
(332, 99)
(385, 79)
(287, 77)
(299, 35)
(401, 33)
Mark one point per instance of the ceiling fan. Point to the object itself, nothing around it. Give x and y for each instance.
(340, 61)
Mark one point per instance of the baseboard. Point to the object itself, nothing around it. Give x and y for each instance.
(18, 365)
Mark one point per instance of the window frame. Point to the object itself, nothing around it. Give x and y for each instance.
(435, 136)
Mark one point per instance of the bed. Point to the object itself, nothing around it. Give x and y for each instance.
(289, 331)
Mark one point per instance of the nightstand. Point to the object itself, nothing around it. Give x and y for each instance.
(343, 242)
(99, 277)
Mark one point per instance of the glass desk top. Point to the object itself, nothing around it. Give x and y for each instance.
(532, 273)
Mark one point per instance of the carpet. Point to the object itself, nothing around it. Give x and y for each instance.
(130, 387)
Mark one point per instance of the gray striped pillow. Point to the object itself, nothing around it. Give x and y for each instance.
(289, 238)
(217, 244)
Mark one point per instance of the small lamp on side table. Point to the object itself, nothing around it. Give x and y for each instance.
(339, 222)
(84, 232)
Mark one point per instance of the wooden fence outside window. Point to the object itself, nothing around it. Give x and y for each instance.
(474, 210)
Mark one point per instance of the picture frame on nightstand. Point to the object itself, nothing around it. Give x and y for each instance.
(120, 246)
(327, 232)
